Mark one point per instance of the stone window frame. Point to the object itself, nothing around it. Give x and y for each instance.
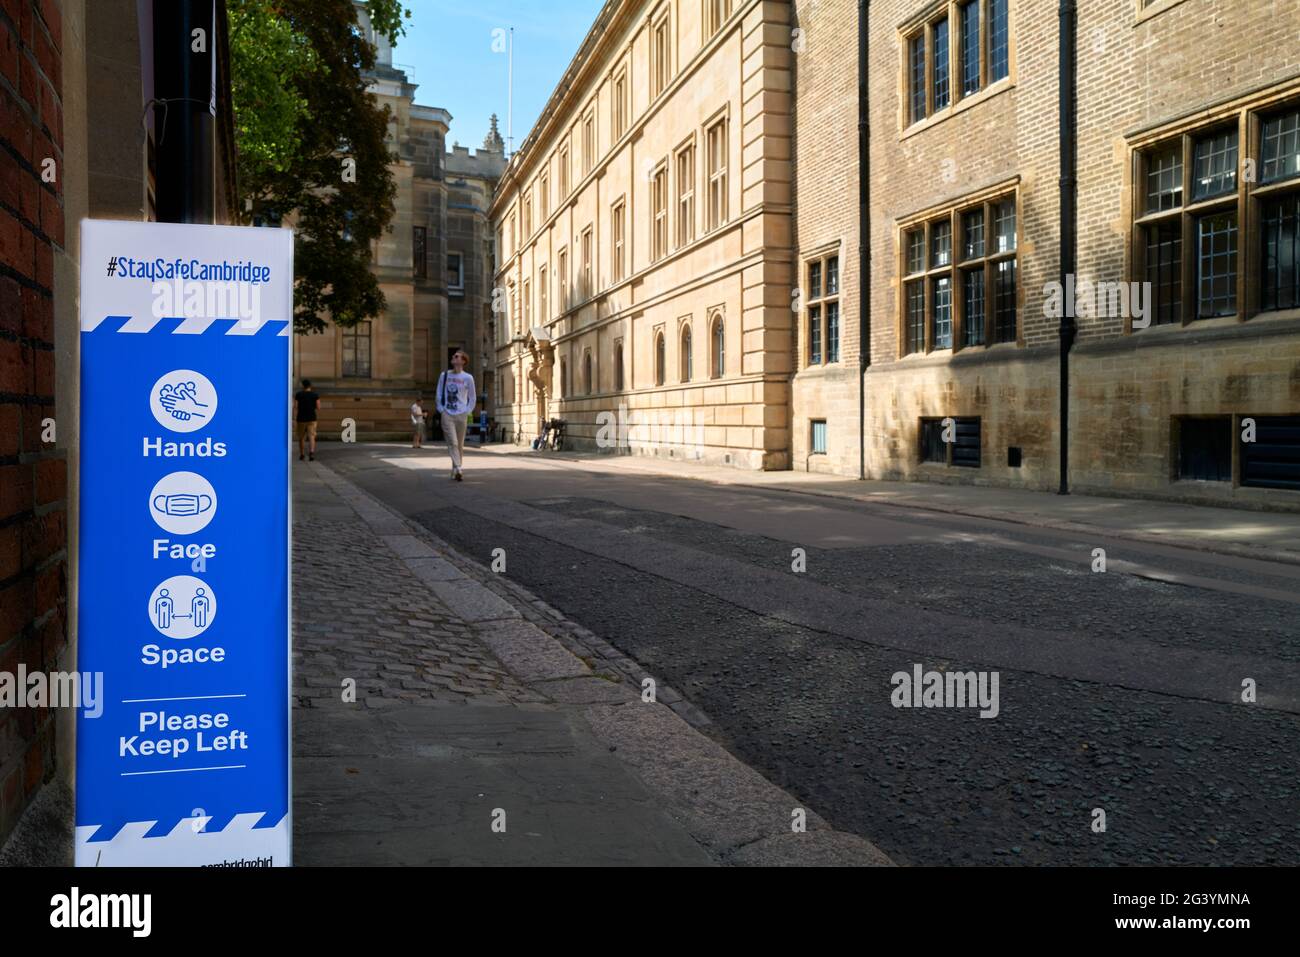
(660, 234)
(684, 233)
(562, 277)
(588, 373)
(620, 111)
(718, 177)
(820, 302)
(587, 240)
(564, 183)
(527, 215)
(659, 355)
(420, 251)
(922, 26)
(619, 377)
(1246, 117)
(528, 304)
(685, 350)
(661, 71)
(713, 14)
(544, 194)
(618, 238)
(543, 296)
(717, 350)
(356, 334)
(953, 214)
(456, 288)
(590, 140)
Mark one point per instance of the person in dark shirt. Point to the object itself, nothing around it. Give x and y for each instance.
(307, 402)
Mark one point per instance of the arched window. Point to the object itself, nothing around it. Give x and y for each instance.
(586, 373)
(618, 366)
(686, 354)
(719, 357)
(659, 358)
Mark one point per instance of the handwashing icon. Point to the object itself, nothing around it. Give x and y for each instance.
(182, 504)
(181, 401)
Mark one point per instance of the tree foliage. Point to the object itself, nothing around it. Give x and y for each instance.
(302, 119)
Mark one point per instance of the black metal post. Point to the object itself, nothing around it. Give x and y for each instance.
(1069, 163)
(184, 45)
(864, 229)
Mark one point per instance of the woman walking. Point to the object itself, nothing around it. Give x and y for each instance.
(455, 401)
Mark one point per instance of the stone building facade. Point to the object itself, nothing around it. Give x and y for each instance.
(644, 229)
(434, 266)
(1188, 178)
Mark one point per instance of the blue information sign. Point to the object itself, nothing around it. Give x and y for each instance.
(183, 552)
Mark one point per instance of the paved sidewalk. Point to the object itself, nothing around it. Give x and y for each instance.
(475, 701)
(1247, 533)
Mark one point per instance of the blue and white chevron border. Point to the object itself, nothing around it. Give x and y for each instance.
(178, 326)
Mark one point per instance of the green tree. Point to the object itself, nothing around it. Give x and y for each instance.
(310, 144)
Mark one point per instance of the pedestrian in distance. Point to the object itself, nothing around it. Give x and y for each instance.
(307, 401)
(455, 400)
(418, 415)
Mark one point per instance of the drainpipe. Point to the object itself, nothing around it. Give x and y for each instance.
(864, 232)
(1069, 222)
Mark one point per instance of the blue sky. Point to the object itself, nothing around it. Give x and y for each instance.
(447, 50)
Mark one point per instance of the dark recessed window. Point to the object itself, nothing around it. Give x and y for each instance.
(1216, 165)
(1281, 147)
(999, 35)
(933, 447)
(941, 92)
(1281, 280)
(1014, 456)
(1165, 271)
(1273, 459)
(970, 48)
(916, 56)
(1205, 449)
(1165, 179)
(1216, 265)
(966, 444)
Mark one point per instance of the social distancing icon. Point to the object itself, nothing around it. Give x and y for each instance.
(182, 607)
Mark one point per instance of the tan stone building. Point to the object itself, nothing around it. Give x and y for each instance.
(434, 266)
(1188, 179)
(644, 228)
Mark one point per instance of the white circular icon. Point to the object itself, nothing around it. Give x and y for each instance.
(182, 607)
(183, 503)
(183, 400)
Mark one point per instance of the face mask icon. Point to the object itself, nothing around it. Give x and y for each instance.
(182, 504)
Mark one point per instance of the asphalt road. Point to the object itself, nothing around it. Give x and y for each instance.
(1118, 692)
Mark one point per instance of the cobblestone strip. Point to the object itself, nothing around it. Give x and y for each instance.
(439, 564)
(361, 616)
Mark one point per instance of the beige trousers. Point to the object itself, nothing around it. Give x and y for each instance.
(453, 428)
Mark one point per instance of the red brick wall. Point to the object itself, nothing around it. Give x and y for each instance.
(33, 476)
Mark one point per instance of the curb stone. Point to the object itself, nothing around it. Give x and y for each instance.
(736, 813)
